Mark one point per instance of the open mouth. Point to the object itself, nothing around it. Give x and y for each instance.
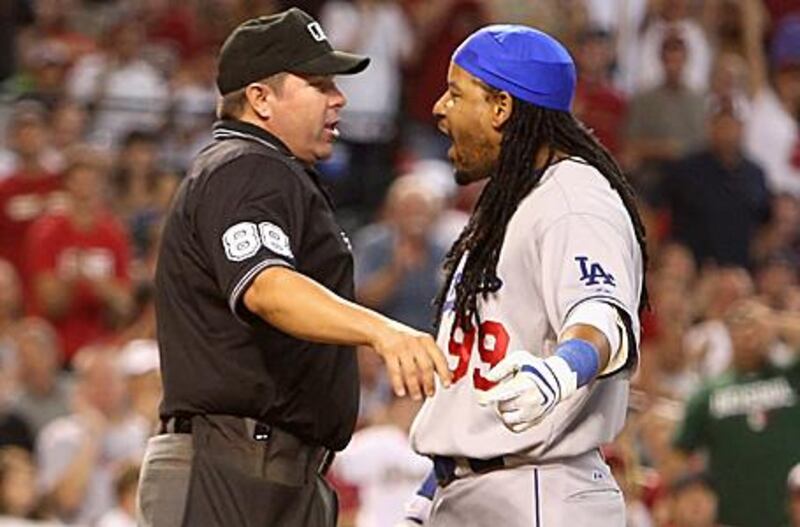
(333, 128)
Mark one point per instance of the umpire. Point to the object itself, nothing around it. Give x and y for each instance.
(254, 285)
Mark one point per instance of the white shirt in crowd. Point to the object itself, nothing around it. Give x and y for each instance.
(59, 443)
(380, 462)
(771, 136)
(131, 96)
(384, 34)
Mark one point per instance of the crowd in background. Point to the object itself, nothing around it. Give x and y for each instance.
(104, 102)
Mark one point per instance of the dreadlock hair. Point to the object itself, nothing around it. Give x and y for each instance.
(530, 129)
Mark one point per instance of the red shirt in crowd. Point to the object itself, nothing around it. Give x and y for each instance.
(601, 108)
(55, 245)
(427, 79)
(23, 199)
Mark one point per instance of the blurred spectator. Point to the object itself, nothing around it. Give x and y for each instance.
(53, 27)
(782, 233)
(793, 490)
(79, 454)
(78, 261)
(664, 123)
(624, 20)
(376, 392)
(142, 190)
(694, 501)
(379, 460)
(620, 462)
(10, 304)
(18, 496)
(547, 15)
(171, 24)
(29, 189)
(15, 15)
(668, 18)
(597, 103)
(126, 92)
(397, 260)
(47, 65)
(746, 422)
(778, 9)
(125, 484)
(68, 124)
(42, 393)
(667, 368)
(773, 133)
(380, 30)
(657, 427)
(27, 144)
(729, 81)
(14, 429)
(677, 266)
(139, 364)
(708, 340)
(439, 25)
(717, 197)
(194, 97)
(776, 279)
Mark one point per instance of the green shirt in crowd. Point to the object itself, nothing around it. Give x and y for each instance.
(749, 424)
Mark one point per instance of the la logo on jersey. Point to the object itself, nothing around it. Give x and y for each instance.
(316, 31)
(592, 273)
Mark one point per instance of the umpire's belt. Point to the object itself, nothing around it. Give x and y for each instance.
(448, 468)
(282, 449)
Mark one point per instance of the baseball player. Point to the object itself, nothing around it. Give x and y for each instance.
(540, 310)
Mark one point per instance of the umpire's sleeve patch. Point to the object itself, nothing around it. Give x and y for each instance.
(275, 239)
(244, 239)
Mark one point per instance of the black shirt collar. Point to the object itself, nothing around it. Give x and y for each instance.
(239, 129)
(229, 129)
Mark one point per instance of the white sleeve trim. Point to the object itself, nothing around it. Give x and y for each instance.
(248, 277)
(605, 318)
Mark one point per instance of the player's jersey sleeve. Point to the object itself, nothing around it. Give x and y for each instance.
(584, 256)
(251, 218)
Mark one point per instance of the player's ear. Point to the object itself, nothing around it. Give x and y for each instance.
(502, 107)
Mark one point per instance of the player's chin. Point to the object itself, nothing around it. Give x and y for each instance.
(466, 174)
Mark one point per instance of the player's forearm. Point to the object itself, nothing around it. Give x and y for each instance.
(301, 307)
(593, 336)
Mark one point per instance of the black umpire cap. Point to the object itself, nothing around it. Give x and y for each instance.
(290, 41)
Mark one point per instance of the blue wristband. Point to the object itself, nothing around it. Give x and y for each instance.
(428, 487)
(582, 358)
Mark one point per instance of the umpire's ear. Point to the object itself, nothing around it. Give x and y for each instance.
(259, 97)
(502, 106)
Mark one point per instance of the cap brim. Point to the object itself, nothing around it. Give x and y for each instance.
(333, 63)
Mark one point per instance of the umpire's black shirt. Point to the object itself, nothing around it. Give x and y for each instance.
(248, 204)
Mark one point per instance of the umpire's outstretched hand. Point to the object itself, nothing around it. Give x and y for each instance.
(298, 305)
(412, 358)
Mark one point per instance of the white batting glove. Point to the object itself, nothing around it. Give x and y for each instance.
(528, 388)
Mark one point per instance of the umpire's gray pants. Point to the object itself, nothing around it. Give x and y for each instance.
(164, 481)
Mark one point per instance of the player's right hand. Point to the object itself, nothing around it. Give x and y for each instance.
(412, 359)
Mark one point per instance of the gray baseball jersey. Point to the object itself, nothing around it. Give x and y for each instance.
(570, 240)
